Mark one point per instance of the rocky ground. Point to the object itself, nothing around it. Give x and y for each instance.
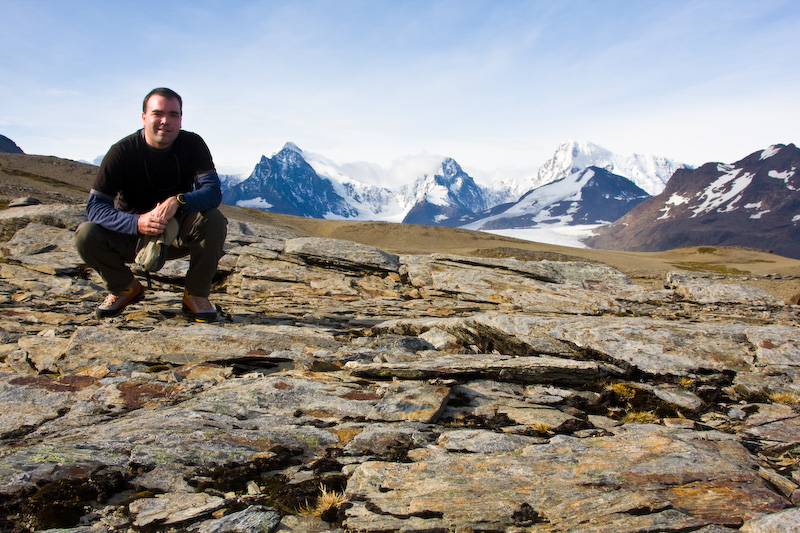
(348, 389)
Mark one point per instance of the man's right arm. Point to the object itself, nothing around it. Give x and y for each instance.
(100, 209)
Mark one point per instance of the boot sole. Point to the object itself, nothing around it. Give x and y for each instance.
(199, 317)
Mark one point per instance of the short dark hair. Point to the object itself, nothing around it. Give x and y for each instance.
(163, 92)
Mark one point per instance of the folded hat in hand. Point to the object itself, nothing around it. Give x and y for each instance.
(151, 251)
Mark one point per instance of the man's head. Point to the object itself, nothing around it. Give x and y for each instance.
(162, 110)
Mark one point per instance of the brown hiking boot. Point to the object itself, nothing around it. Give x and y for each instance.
(199, 307)
(114, 304)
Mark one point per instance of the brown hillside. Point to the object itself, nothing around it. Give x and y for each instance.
(55, 180)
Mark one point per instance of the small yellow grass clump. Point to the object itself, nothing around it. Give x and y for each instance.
(640, 417)
(786, 398)
(542, 428)
(623, 390)
(325, 501)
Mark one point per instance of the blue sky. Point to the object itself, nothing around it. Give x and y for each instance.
(495, 84)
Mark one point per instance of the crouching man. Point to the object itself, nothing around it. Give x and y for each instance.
(158, 174)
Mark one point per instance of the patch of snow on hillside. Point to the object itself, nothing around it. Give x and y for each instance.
(675, 199)
(759, 214)
(437, 195)
(785, 176)
(556, 234)
(716, 194)
(567, 189)
(255, 203)
(769, 152)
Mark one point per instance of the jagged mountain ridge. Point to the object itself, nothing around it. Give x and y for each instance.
(590, 196)
(443, 196)
(754, 202)
(286, 183)
(648, 172)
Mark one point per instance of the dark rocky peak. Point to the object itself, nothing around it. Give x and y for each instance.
(8, 146)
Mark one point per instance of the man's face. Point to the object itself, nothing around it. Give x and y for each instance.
(162, 121)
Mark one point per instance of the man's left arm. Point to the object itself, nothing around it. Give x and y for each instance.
(207, 193)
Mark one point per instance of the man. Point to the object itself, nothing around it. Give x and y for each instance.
(157, 174)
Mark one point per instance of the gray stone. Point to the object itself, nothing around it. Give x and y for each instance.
(483, 441)
(173, 508)
(254, 519)
(535, 369)
(781, 522)
(24, 201)
(342, 254)
(705, 291)
(645, 477)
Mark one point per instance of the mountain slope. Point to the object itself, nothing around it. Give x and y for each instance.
(590, 196)
(754, 202)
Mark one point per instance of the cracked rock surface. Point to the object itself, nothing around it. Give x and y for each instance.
(349, 389)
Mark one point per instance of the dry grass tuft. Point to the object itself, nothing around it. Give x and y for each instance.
(542, 428)
(623, 390)
(640, 417)
(786, 398)
(325, 501)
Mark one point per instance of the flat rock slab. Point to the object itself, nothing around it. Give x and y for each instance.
(179, 345)
(653, 346)
(254, 519)
(646, 478)
(29, 401)
(342, 254)
(173, 508)
(534, 369)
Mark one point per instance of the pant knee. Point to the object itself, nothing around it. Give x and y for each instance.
(85, 238)
(212, 226)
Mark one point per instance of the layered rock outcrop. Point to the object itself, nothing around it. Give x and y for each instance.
(348, 389)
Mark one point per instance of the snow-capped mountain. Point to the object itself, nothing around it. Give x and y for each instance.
(296, 183)
(754, 202)
(648, 172)
(443, 197)
(287, 183)
(589, 196)
(442, 193)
